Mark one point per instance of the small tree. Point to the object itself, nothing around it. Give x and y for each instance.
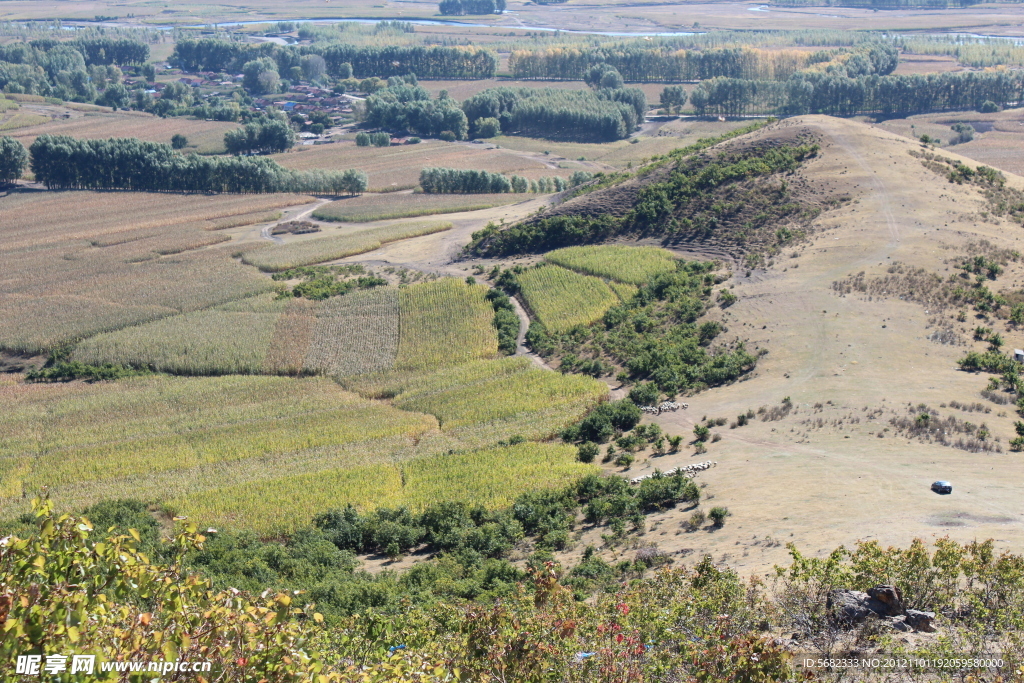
(13, 159)
(488, 127)
(587, 451)
(718, 515)
(674, 442)
(644, 394)
(701, 433)
(179, 141)
(625, 459)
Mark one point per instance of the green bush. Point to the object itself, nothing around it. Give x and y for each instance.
(587, 451)
(179, 141)
(644, 394)
(701, 433)
(718, 515)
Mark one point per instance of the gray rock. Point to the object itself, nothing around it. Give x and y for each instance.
(900, 624)
(921, 621)
(850, 606)
(886, 600)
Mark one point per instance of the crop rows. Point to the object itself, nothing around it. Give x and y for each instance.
(562, 299)
(67, 436)
(424, 326)
(103, 262)
(630, 265)
(321, 249)
(487, 391)
(376, 207)
(491, 477)
(445, 322)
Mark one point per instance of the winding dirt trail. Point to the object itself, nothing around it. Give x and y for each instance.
(305, 210)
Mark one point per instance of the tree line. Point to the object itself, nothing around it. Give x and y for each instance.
(460, 7)
(838, 95)
(406, 107)
(605, 114)
(645, 64)
(438, 62)
(62, 162)
(83, 70)
(459, 181)
(262, 137)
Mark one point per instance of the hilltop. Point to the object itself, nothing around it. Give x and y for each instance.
(834, 469)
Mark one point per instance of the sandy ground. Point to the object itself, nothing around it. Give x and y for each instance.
(818, 487)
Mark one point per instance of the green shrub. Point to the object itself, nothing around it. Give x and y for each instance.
(587, 451)
(718, 515)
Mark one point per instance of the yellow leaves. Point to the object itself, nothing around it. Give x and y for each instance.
(145, 618)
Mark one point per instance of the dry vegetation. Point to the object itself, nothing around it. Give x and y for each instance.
(397, 168)
(421, 326)
(102, 261)
(206, 137)
(370, 207)
(630, 265)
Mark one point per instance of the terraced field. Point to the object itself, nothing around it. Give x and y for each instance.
(629, 265)
(423, 326)
(561, 298)
(492, 477)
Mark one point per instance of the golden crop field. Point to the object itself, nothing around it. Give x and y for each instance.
(7, 105)
(77, 438)
(22, 119)
(631, 265)
(562, 299)
(379, 207)
(421, 326)
(206, 137)
(395, 168)
(488, 391)
(74, 264)
(622, 290)
(492, 477)
(321, 249)
(356, 333)
(229, 339)
(445, 322)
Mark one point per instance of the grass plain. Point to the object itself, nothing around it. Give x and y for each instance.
(561, 298)
(306, 252)
(629, 265)
(377, 207)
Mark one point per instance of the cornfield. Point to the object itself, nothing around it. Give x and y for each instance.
(75, 438)
(321, 249)
(623, 291)
(631, 265)
(492, 477)
(102, 261)
(488, 391)
(445, 322)
(422, 326)
(377, 207)
(562, 299)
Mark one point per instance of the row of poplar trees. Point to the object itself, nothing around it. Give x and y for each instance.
(63, 162)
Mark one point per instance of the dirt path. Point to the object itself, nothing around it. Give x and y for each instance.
(524, 325)
(304, 211)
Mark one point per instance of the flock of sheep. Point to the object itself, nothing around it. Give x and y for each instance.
(664, 407)
(685, 469)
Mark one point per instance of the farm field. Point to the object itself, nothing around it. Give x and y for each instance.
(376, 207)
(361, 332)
(313, 250)
(397, 168)
(205, 137)
(490, 477)
(630, 265)
(70, 276)
(16, 120)
(64, 436)
(562, 299)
